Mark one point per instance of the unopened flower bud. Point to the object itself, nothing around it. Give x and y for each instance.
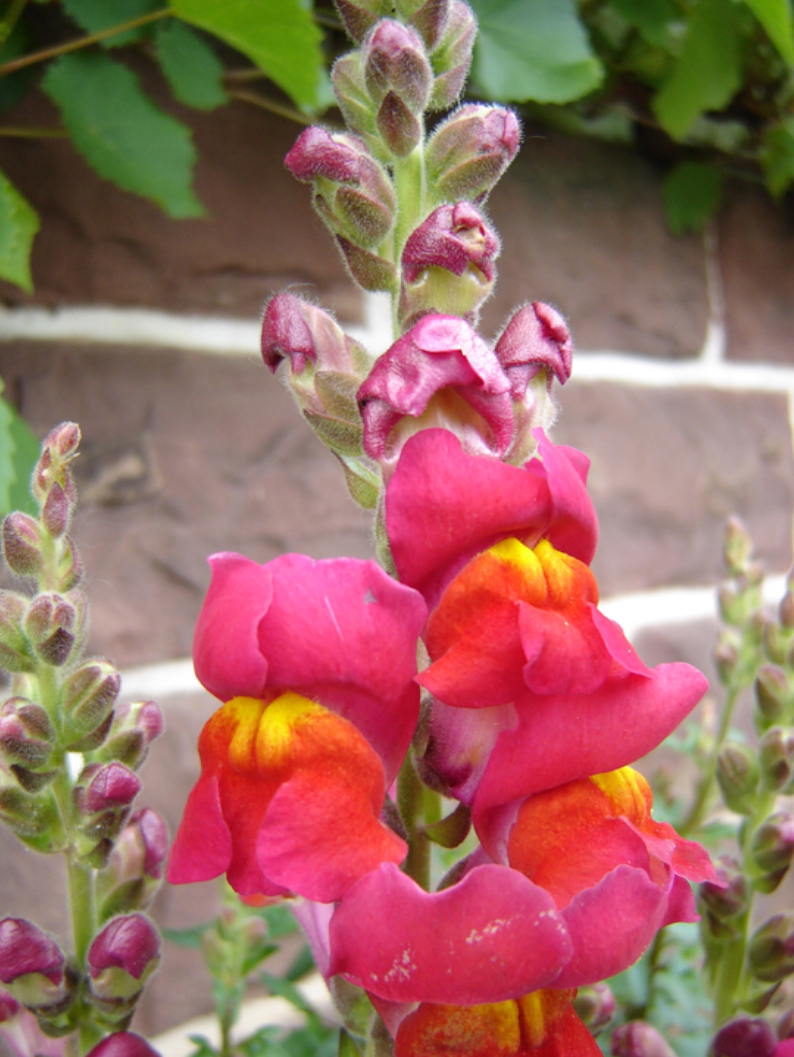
(106, 787)
(770, 952)
(32, 965)
(395, 63)
(87, 700)
(737, 546)
(727, 899)
(744, 1038)
(772, 696)
(451, 59)
(352, 192)
(737, 775)
(786, 608)
(776, 757)
(135, 727)
(726, 655)
(595, 1005)
(57, 511)
(32, 817)
(448, 264)
(732, 605)
(123, 956)
(409, 386)
(135, 865)
(123, 1044)
(9, 1007)
(371, 272)
(469, 151)
(358, 109)
(773, 849)
(26, 734)
(639, 1039)
(22, 544)
(51, 625)
(57, 451)
(361, 16)
(16, 654)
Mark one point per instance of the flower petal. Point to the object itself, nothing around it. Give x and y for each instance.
(202, 848)
(492, 936)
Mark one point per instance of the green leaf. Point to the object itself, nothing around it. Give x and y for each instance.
(709, 71)
(95, 15)
(775, 17)
(19, 223)
(279, 36)
(778, 157)
(191, 67)
(651, 17)
(7, 452)
(280, 921)
(26, 455)
(692, 193)
(122, 134)
(191, 937)
(533, 50)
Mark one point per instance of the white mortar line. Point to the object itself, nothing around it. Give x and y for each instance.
(635, 612)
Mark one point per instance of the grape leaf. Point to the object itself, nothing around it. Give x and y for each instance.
(651, 17)
(778, 157)
(26, 455)
(775, 17)
(95, 15)
(121, 133)
(19, 223)
(692, 193)
(279, 36)
(533, 50)
(709, 70)
(191, 67)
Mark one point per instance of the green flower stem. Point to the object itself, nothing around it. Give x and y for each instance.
(410, 185)
(14, 132)
(411, 803)
(82, 42)
(699, 808)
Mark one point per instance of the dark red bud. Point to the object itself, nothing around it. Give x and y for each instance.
(395, 61)
(106, 787)
(744, 1038)
(24, 949)
(56, 512)
(452, 237)
(9, 1007)
(130, 942)
(452, 58)
(469, 151)
(22, 543)
(536, 338)
(123, 1044)
(639, 1039)
(318, 152)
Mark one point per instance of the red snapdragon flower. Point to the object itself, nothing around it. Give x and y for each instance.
(315, 661)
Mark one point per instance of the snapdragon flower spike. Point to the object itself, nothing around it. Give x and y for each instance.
(441, 373)
(469, 151)
(315, 661)
(615, 874)
(123, 956)
(352, 191)
(399, 79)
(540, 1024)
(448, 264)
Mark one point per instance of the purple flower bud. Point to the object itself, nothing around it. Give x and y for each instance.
(441, 373)
(347, 78)
(306, 335)
(535, 339)
(59, 448)
(737, 775)
(9, 1007)
(744, 1038)
(51, 625)
(25, 949)
(727, 898)
(370, 271)
(129, 943)
(105, 788)
(770, 952)
(773, 843)
(639, 1039)
(452, 58)
(595, 1005)
(63, 440)
(395, 62)
(453, 237)
(22, 544)
(56, 512)
(772, 695)
(142, 847)
(26, 734)
(123, 1044)
(776, 757)
(15, 651)
(428, 18)
(469, 151)
(133, 729)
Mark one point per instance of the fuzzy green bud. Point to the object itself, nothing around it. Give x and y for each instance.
(776, 757)
(51, 626)
(772, 697)
(87, 700)
(772, 850)
(737, 775)
(770, 952)
(16, 654)
(22, 544)
(57, 451)
(737, 546)
(451, 58)
(133, 729)
(360, 17)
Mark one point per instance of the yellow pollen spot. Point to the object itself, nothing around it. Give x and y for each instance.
(628, 792)
(278, 725)
(244, 713)
(533, 1019)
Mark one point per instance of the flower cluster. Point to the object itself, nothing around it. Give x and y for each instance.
(324, 770)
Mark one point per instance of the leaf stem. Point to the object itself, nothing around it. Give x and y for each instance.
(270, 104)
(33, 133)
(82, 42)
(7, 25)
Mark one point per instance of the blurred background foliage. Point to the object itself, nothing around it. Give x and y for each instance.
(703, 87)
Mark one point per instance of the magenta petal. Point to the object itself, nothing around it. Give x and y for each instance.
(315, 919)
(586, 734)
(202, 848)
(680, 903)
(619, 647)
(226, 651)
(574, 526)
(491, 937)
(344, 633)
(611, 925)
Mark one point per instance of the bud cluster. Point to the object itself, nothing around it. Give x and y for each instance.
(68, 757)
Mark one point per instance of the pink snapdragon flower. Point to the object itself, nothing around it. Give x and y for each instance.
(316, 664)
